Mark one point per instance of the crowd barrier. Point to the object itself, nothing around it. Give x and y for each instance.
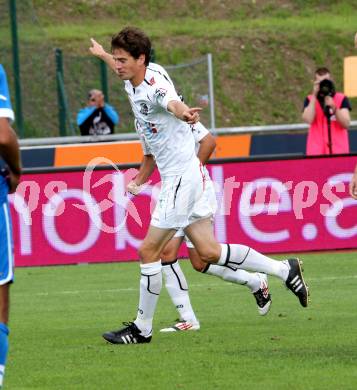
(285, 205)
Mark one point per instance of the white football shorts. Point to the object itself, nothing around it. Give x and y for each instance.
(211, 194)
(183, 199)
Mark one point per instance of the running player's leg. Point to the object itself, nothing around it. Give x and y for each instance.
(168, 216)
(140, 330)
(177, 287)
(256, 282)
(151, 276)
(238, 256)
(238, 276)
(235, 255)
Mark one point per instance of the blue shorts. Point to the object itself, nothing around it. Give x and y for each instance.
(6, 245)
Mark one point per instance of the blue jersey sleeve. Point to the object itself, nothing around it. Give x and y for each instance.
(5, 103)
(84, 114)
(113, 115)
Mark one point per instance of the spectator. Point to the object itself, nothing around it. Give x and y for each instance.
(183, 199)
(323, 103)
(98, 118)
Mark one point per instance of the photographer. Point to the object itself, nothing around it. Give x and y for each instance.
(98, 118)
(327, 113)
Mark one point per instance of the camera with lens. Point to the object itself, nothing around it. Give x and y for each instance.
(327, 88)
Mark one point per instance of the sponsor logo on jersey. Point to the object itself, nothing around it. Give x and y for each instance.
(144, 109)
(194, 129)
(2, 97)
(161, 92)
(153, 128)
(152, 81)
(150, 128)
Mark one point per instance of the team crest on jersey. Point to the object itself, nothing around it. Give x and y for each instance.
(161, 92)
(152, 81)
(144, 109)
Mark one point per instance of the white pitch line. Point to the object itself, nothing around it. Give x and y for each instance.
(105, 291)
(132, 289)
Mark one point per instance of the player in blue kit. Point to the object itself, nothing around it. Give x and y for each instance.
(9, 179)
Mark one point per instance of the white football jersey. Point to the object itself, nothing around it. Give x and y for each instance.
(168, 139)
(198, 130)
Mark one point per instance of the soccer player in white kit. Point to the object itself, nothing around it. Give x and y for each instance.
(175, 281)
(182, 203)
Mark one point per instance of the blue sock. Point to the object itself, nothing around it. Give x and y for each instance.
(4, 346)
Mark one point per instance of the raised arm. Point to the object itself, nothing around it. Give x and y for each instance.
(309, 112)
(343, 117)
(98, 51)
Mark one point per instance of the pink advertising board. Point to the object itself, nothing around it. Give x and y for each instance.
(272, 206)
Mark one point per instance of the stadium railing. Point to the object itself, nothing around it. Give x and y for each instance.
(268, 129)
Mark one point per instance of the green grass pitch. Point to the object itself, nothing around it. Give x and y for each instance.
(59, 313)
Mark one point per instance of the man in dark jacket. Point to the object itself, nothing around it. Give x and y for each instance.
(98, 118)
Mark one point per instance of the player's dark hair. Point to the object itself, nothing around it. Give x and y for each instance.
(134, 41)
(322, 71)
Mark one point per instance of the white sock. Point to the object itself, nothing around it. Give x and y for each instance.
(177, 288)
(150, 287)
(238, 276)
(240, 256)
